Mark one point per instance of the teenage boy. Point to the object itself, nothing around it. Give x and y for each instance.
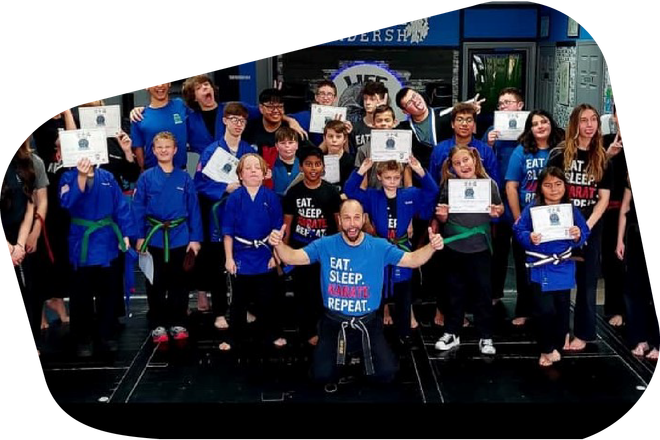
(162, 114)
(373, 95)
(335, 136)
(287, 165)
(311, 211)
(325, 94)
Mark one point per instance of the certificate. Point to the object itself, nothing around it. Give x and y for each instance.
(222, 167)
(331, 168)
(79, 144)
(146, 265)
(389, 145)
(509, 124)
(469, 196)
(106, 117)
(321, 114)
(553, 222)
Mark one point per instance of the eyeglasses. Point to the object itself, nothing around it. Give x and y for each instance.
(325, 94)
(274, 107)
(414, 98)
(236, 120)
(506, 103)
(462, 121)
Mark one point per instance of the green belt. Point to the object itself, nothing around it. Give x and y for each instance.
(214, 210)
(401, 243)
(464, 232)
(166, 226)
(93, 226)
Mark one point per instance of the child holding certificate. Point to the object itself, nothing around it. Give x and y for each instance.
(251, 213)
(335, 136)
(169, 225)
(391, 209)
(468, 244)
(552, 273)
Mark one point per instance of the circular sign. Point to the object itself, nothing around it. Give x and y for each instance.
(349, 82)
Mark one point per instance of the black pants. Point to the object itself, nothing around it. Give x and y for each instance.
(642, 322)
(551, 315)
(324, 362)
(168, 296)
(613, 268)
(501, 233)
(262, 293)
(209, 275)
(31, 300)
(307, 288)
(584, 319)
(90, 283)
(402, 300)
(523, 287)
(469, 277)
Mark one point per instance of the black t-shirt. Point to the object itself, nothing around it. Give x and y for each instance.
(209, 117)
(125, 172)
(359, 136)
(582, 187)
(619, 171)
(45, 137)
(313, 212)
(255, 134)
(391, 219)
(13, 203)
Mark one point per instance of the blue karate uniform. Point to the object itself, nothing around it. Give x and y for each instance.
(103, 200)
(281, 178)
(167, 197)
(199, 137)
(251, 220)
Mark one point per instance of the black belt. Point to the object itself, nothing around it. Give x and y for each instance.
(356, 323)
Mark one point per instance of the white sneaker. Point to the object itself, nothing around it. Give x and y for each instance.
(447, 342)
(486, 346)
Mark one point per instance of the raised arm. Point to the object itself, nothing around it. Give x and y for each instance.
(294, 257)
(423, 254)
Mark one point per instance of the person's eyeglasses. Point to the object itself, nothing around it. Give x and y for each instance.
(236, 120)
(506, 103)
(325, 94)
(274, 107)
(415, 98)
(462, 121)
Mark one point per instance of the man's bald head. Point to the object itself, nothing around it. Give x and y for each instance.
(351, 204)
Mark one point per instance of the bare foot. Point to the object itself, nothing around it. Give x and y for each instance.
(387, 318)
(413, 320)
(313, 340)
(202, 302)
(44, 321)
(221, 323)
(652, 355)
(279, 342)
(544, 360)
(466, 322)
(641, 349)
(224, 347)
(576, 344)
(57, 305)
(439, 318)
(519, 321)
(554, 356)
(567, 342)
(250, 318)
(616, 321)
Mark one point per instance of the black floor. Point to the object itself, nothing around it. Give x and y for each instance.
(215, 390)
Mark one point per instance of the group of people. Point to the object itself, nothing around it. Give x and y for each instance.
(348, 246)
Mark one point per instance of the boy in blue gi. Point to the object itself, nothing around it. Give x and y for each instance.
(101, 223)
(352, 266)
(552, 273)
(162, 114)
(212, 198)
(287, 166)
(169, 225)
(391, 209)
(252, 211)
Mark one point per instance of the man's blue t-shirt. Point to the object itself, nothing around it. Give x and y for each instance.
(352, 276)
(170, 118)
(525, 168)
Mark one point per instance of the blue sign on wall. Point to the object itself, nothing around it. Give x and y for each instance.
(439, 30)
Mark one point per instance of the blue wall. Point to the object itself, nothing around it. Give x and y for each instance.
(500, 23)
(247, 87)
(559, 27)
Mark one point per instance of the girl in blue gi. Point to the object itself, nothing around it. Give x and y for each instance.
(391, 209)
(552, 273)
(469, 258)
(169, 226)
(101, 223)
(252, 211)
(212, 198)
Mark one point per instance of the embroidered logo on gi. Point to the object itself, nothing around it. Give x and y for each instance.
(408, 202)
(180, 188)
(177, 119)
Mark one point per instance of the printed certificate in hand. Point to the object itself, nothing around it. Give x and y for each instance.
(552, 221)
(106, 117)
(469, 196)
(146, 265)
(509, 124)
(331, 168)
(78, 144)
(389, 145)
(321, 114)
(222, 167)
